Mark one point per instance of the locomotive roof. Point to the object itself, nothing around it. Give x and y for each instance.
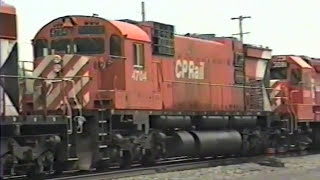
(5, 8)
(299, 61)
(129, 31)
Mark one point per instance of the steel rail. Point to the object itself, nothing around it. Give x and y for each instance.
(170, 166)
(159, 168)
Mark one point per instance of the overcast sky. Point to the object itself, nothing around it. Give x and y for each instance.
(286, 26)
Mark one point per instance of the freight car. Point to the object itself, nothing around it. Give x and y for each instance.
(118, 92)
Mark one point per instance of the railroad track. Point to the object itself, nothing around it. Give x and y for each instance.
(172, 165)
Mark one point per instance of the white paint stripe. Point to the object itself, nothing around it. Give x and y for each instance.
(66, 59)
(54, 94)
(72, 72)
(77, 67)
(86, 99)
(266, 55)
(74, 91)
(275, 97)
(276, 104)
(266, 100)
(6, 47)
(77, 89)
(261, 69)
(42, 66)
(7, 107)
(78, 86)
(275, 91)
(273, 82)
(313, 89)
(52, 74)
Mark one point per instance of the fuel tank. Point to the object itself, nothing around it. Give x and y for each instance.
(217, 142)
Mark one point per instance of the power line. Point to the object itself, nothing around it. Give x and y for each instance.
(240, 19)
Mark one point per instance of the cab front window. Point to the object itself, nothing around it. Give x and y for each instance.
(61, 46)
(296, 76)
(89, 46)
(278, 73)
(41, 48)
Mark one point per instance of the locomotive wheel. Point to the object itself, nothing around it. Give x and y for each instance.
(126, 160)
(61, 166)
(102, 165)
(316, 138)
(36, 173)
(148, 159)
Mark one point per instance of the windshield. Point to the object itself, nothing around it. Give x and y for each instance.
(41, 48)
(278, 73)
(89, 46)
(62, 46)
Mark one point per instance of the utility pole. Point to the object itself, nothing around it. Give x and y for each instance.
(143, 11)
(241, 18)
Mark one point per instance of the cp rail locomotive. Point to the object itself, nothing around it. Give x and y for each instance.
(106, 93)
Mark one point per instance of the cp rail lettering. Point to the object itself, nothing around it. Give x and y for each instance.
(189, 70)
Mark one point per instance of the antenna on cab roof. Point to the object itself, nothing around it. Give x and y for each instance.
(143, 13)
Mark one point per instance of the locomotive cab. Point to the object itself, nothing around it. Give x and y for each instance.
(292, 80)
(110, 59)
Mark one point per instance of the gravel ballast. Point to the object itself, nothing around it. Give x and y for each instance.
(303, 167)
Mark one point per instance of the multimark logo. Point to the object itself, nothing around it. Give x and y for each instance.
(185, 69)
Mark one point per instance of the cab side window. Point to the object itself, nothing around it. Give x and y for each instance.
(115, 46)
(41, 48)
(139, 59)
(295, 76)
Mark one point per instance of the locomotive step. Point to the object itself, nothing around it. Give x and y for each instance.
(103, 146)
(73, 159)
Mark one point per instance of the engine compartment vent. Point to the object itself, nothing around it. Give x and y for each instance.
(162, 38)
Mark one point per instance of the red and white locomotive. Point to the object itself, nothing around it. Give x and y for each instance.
(118, 92)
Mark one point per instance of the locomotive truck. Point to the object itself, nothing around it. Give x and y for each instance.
(121, 92)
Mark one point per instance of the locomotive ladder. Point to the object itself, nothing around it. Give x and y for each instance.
(255, 95)
(103, 132)
(71, 140)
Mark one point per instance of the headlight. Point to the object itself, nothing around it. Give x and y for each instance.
(57, 59)
(57, 68)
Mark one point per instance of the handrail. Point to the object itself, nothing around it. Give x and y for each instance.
(39, 78)
(117, 57)
(225, 85)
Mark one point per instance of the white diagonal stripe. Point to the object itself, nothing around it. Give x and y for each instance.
(77, 67)
(78, 86)
(54, 94)
(66, 59)
(86, 98)
(6, 47)
(76, 89)
(7, 107)
(72, 72)
(42, 66)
